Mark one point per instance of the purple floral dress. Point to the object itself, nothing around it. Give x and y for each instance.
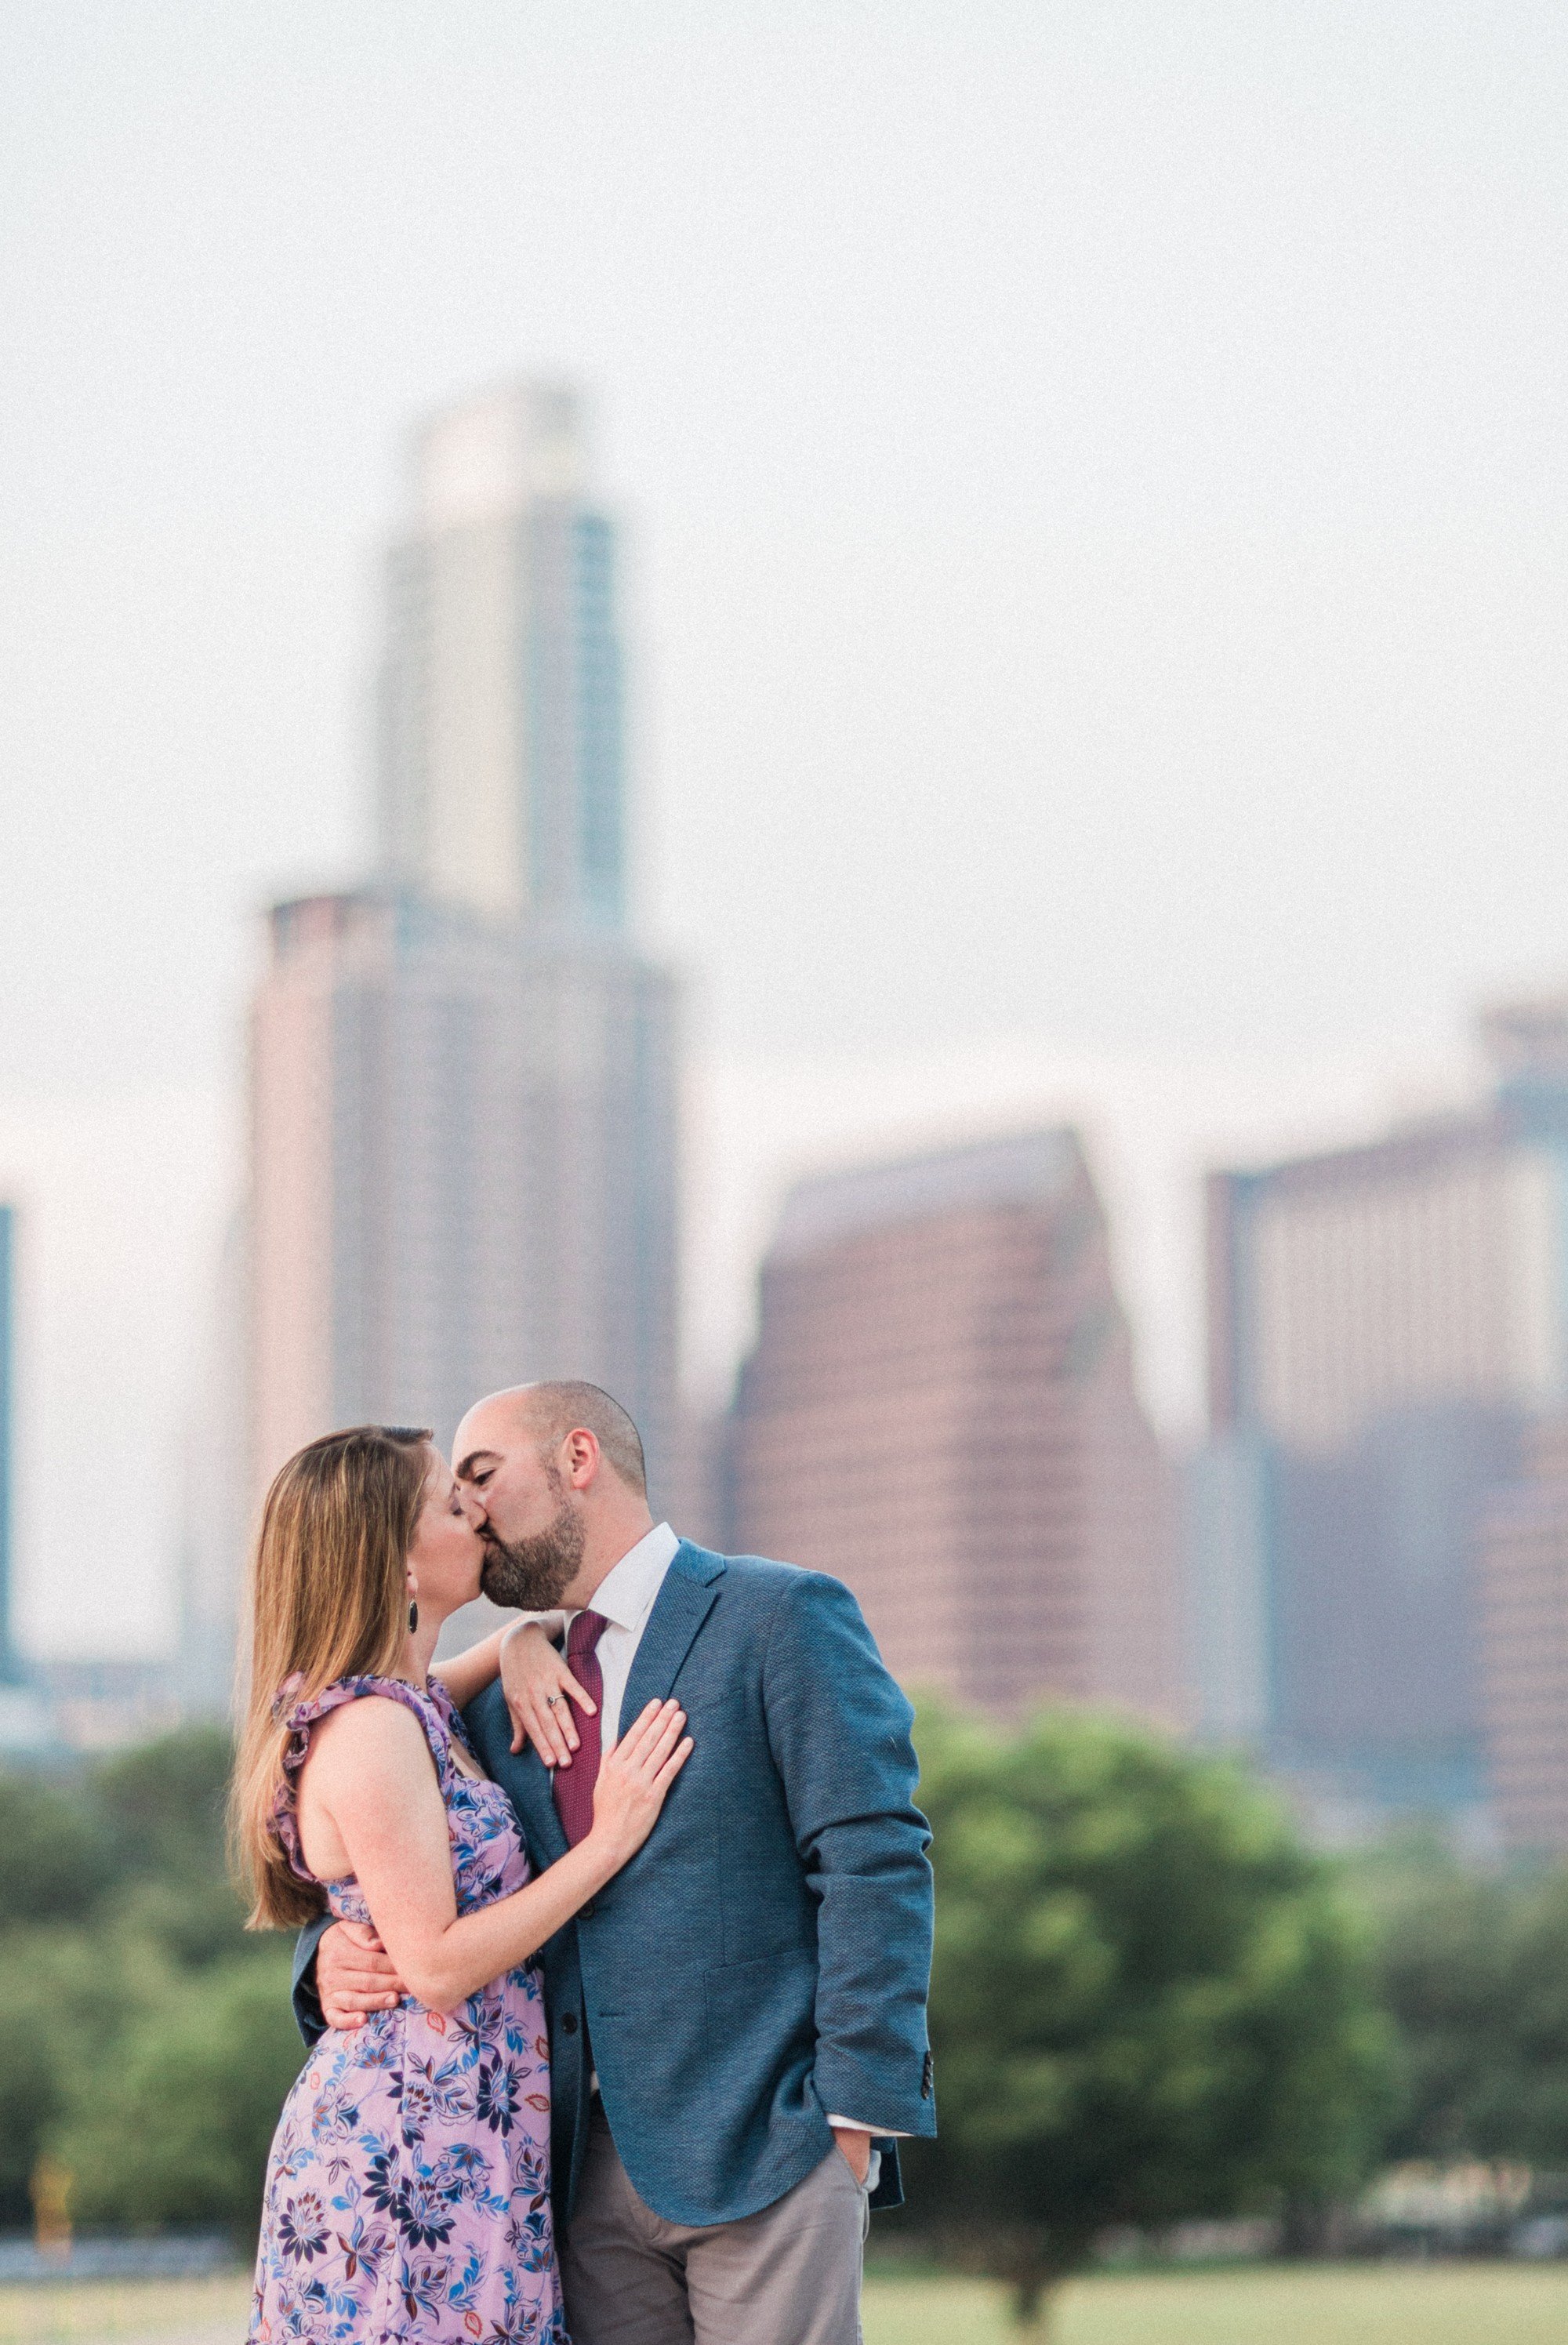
(408, 2195)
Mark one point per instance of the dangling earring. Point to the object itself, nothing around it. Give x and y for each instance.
(413, 1617)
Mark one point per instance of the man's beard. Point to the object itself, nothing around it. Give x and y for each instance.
(532, 1575)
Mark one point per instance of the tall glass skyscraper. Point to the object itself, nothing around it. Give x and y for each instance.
(501, 784)
(463, 1074)
(10, 1669)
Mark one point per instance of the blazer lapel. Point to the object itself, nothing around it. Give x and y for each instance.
(679, 1609)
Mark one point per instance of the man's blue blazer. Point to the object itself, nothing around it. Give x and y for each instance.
(764, 1960)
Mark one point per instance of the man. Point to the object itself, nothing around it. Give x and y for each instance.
(738, 2022)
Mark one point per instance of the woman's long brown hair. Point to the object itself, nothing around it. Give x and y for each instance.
(327, 1599)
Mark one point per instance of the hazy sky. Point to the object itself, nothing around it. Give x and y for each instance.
(1094, 484)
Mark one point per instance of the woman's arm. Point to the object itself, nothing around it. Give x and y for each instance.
(369, 1770)
(540, 1690)
(468, 1672)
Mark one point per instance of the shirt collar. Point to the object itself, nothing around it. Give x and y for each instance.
(628, 1589)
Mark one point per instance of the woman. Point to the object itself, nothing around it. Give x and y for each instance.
(408, 2190)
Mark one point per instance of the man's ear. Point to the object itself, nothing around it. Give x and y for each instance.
(581, 1457)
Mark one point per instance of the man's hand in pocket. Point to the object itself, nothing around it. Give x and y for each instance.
(855, 2148)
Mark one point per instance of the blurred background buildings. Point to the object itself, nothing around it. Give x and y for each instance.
(463, 1144)
(940, 1409)
(24, 1716)
(1524, 1605)
(1387, 1323)
(464, 1168)
(9, 1659)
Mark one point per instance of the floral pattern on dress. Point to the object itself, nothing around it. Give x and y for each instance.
(407, 2192)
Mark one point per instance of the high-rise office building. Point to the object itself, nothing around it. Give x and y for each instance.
(25, 1722)
(501, 770)
(216, 1493)
(1524, 1647)
(462, 1156)
(10, 1668)
(1384, 1322)
(940, 1409)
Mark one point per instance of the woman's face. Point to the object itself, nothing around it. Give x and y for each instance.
(445, 1558)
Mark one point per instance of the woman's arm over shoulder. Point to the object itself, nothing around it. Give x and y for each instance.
(468, 1673)
(539, 1688)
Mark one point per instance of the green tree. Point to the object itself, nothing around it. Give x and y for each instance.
(164, 1804)
(1148, 2001)
(1474, 1972)
(124, 2020)
(163, 1810)
(51, 1863)
(53, 1856)
(1531, 2121)
(30, 2099)
(196, 2086)
(67, 1995)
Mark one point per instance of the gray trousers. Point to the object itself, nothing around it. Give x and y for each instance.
(789, 2275)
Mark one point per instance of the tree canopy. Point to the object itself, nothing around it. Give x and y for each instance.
(1472, 1969)
(146, 2040)
(1149, 2000)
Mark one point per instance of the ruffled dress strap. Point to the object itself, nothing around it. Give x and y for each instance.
(432, 1709)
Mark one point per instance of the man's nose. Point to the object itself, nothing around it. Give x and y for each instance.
(472, 1506)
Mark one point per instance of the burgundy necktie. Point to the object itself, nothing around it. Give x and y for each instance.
(574, 1784)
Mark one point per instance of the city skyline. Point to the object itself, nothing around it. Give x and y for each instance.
(1091, 496)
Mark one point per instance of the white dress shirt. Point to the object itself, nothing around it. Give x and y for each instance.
(624, 1598)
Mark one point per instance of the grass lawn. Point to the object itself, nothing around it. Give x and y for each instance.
(175, 2312)
(1465, 2304)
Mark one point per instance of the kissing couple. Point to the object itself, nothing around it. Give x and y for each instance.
(615, 1928)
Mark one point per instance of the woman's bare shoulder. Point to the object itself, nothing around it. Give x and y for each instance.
(374, 1730)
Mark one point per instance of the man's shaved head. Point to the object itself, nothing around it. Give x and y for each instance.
(548, 1412)
(552, 1480)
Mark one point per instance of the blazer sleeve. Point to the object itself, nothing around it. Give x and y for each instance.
(839, 1728)
(308, 2016)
